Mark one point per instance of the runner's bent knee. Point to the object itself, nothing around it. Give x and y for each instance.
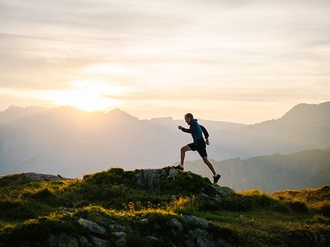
(185, 148)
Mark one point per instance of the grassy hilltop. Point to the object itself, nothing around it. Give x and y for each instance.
(160, 207)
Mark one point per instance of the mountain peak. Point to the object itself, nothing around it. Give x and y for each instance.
(14, 108)
(16, 112)
(118, 113)
(310, 112)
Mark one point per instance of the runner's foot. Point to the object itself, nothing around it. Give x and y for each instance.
(178, 167)
(216, 178)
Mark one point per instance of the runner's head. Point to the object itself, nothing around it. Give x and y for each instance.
(188, 117)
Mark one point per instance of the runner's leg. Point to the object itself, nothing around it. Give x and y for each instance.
(184, 149)
(210, 166)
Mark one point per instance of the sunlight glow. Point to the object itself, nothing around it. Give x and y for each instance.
(88, 96)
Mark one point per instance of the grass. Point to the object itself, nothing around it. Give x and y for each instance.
(250, 217)
(316, 200)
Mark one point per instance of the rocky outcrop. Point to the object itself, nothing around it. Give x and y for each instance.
(188, 231)
(185, 231)
(92, 226)
(29, 177)
(151, 179)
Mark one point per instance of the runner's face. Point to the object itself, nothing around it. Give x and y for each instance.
(188, 119)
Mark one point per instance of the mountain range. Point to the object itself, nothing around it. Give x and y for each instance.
(270, 173)
(71, 142)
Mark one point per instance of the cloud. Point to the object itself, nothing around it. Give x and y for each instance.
(163, 51)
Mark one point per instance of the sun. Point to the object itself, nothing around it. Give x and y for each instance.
(88, 96)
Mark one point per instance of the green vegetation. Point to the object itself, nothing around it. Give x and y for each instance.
(33, 212)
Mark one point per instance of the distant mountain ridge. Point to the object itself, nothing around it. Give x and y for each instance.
(305, 169)
(304, 127)
(69, 141)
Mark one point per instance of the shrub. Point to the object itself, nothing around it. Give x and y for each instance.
(319, 219)
(237, 202)
(263, 201)
(187, 183)
(16, 210)
(42, 194)
(185, 205)
(298, 207)
(324, 210)
(36, 233)
(46, 196)
(114, 176)
(280, 207)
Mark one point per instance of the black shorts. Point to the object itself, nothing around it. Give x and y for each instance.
(200, 147)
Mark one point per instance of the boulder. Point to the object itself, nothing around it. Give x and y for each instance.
(63, 240)
(92, 226)
(121, 238)
(150, 179)
(196, 221)
(100, 242)
(176, 224)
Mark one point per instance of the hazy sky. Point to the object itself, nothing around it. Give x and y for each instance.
(234, 60)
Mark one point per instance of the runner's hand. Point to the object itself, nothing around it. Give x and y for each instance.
(180, 127)
(207, 141)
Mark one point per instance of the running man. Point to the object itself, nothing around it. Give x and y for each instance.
(198, 145)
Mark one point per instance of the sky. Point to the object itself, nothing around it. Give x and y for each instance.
(229, 60)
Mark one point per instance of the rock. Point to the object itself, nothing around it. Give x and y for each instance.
(204, 239)
(196, 221)
(121, 242)
(211, 200)
(177, 225)
(151, 238)
(92, 226)
(217, 198)
(119, 234)
(156, 227)
(321, 241)
(122, 238)
(100, 242)
(150, 179)
(204, 242)
(30, 177)
(84, 242)
(200, 233)
(224, 243)
(63, 240)
(190, 243)
(117, 228)
(144, 221)
(223, 191)
(172, 173)
(208, 202)
(242, 217)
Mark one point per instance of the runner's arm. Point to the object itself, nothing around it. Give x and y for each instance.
(186, 130)
(206, 134)
(192, 128)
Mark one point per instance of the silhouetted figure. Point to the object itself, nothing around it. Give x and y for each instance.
(199, 144)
